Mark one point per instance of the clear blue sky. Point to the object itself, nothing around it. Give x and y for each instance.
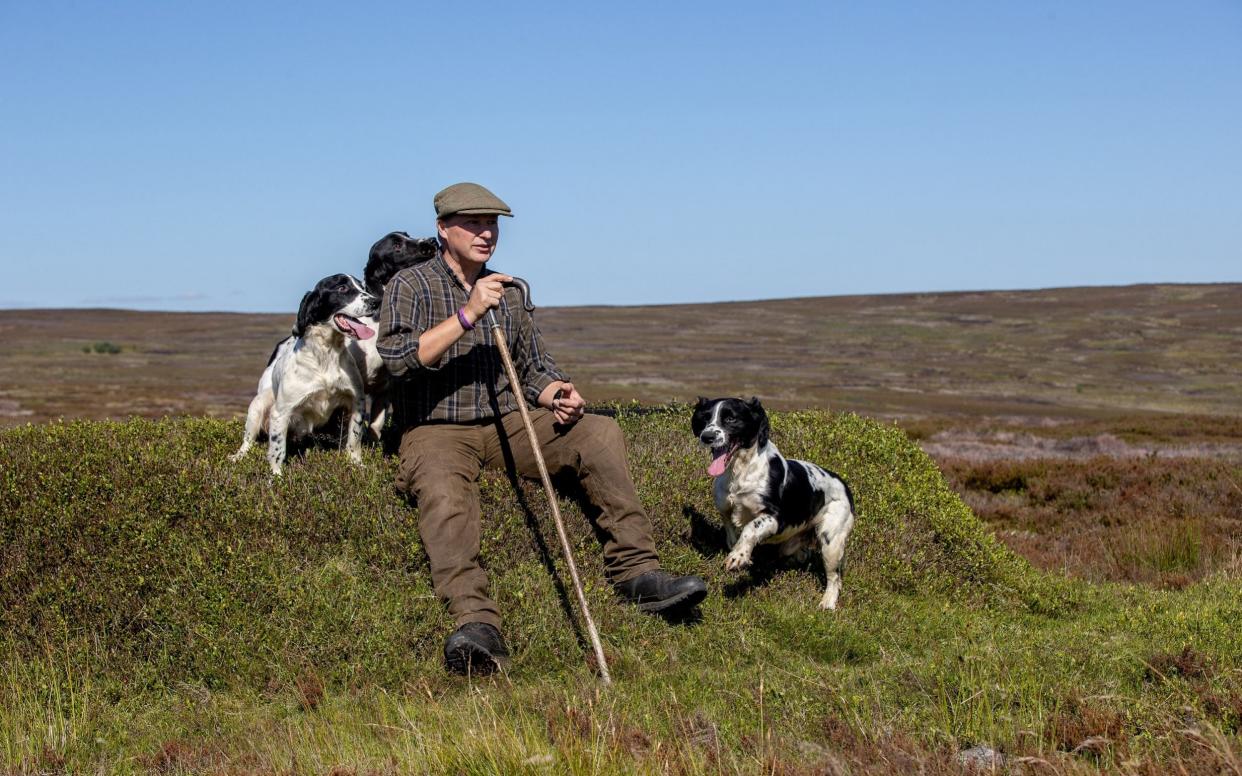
(226, 155)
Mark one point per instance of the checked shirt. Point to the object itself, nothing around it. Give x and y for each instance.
(468, 384)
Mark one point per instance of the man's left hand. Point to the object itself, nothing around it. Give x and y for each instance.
(569, 407)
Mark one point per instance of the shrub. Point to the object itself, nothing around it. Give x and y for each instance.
(1168, 521)
(102, 347)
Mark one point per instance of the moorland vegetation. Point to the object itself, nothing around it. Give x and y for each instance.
(165, 610)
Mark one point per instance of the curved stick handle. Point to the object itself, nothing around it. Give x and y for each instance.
(524, 287)
(521, 285)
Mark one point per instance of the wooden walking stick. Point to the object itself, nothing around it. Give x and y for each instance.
(516, 386)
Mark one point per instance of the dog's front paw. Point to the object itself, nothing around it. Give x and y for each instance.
(237, 456)
(737, 561)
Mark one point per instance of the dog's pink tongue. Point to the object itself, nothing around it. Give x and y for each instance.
(359, 329)
(718, 465)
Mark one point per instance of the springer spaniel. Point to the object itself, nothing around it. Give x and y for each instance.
(766, 498)
(312, 373)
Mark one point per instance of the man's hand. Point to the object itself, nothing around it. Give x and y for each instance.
(486, 294)
(568, 407)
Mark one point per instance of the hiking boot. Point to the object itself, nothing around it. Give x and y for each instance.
(475, 648)
(660, 591)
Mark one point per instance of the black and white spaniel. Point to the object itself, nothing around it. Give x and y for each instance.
(389, 255)
(765, 498)
(312, 373)
(394, 252)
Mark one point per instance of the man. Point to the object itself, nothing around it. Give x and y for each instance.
(456, 413)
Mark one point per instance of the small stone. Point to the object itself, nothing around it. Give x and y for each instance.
(539, 759)
(980, 759)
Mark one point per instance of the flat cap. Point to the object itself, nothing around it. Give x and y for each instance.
(470, 199)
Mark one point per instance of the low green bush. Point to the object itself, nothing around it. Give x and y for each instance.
(142, 538)
(102, 347)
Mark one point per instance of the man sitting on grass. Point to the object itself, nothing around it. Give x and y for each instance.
(456, 413)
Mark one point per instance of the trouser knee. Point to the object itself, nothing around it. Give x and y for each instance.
(600, 437)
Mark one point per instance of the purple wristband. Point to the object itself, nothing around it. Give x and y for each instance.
(463, 320)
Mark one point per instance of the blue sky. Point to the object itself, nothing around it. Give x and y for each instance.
(225, 156)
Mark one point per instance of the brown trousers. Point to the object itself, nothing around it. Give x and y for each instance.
(440, 465)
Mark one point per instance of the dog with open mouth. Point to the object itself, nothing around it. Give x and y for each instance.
(312, 373)
(765, 498)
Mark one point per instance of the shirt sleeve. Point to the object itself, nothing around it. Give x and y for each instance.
(403, 318)
(535, 365)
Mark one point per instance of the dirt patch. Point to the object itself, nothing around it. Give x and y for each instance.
(13, 409)
(979, 446)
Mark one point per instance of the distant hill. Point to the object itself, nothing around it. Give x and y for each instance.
(1066, 352)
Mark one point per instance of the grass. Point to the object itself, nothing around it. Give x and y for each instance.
(163, 610)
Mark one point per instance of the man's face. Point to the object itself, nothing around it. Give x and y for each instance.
(470, 237)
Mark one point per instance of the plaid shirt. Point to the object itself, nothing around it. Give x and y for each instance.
(468, 383)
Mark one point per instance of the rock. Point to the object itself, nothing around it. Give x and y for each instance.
(980, 759)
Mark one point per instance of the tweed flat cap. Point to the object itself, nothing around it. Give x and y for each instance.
(470, 199)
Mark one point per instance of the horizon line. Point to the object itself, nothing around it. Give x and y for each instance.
(6, 306)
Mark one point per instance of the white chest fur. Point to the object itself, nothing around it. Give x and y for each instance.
(738, 492)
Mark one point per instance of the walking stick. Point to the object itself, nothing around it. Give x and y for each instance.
(516, 385)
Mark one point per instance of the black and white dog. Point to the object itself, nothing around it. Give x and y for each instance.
(394, 252)
(389, 255)
(765, 498)
(312, 373)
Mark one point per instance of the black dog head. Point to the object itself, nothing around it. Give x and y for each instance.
(728, 425)
(394, 252)
(338, 300)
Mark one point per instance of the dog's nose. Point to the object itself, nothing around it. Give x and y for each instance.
(706, 437)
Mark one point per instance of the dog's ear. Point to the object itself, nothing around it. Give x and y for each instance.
(307, 312)
(700, 403)
(764, 431)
